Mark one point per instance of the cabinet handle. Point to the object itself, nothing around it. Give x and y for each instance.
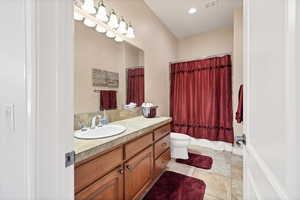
(121, 171)
(128, 167)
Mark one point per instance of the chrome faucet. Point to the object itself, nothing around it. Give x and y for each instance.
(93, 124)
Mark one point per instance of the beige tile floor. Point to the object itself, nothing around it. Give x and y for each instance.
(223, 180)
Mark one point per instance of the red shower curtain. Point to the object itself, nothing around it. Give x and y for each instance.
(135, 86)
(201, 98)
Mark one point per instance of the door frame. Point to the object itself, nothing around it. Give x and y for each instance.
(49, 90)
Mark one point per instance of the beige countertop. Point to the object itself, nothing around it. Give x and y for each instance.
(135, 127)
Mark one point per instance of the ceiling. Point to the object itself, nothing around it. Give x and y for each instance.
(211, 15)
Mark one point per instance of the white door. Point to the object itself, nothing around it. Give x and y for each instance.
(36, 99)
(272, 92)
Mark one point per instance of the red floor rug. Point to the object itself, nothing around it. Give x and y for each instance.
(196, 160)
(174, 186)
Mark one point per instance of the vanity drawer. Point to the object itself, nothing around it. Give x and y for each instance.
(88, 172)
(161, 145)
(162, 131)
(137, 145)
(162, 161)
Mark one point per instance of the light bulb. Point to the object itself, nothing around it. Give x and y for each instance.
(192, 11)
(102, 14)
(89, 6)
(118, 39)
(78, 16)
(130, 32)
(100, 29)
(123, 27)
(110, 34)
(113, 20)
(89, 22)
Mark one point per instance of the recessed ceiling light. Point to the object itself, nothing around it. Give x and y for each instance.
(192, 11)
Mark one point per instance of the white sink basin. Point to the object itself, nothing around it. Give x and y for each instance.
(100, 132)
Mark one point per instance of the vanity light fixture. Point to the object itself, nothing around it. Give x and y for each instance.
(122, 27)
(88, 6)
(130, 32)
(102, 14)
(118, 39)
(110, 34)
(113, 20)
(89, 23)
(112, 25)
(78, 16)
(100, 29)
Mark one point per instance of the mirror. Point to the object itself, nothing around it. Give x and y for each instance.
(108, 74)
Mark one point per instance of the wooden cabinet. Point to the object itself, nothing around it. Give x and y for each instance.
(109, 187)
(137, 145)
(162, 131)
(161, 145)
(126, 171)
(161, 162)
(88, 172)
(138, 174)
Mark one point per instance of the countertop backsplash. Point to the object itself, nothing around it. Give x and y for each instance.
(112, 115)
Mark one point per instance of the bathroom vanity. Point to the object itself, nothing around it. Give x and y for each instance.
(123, 166)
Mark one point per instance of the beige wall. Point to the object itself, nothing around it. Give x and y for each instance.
(159, 46)
(95, 50)
(205, 44)
(133, 56)
(92, 50)
(219, 41)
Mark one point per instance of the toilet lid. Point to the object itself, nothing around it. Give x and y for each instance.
(180, 136)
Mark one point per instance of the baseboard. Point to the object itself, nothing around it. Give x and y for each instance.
(217, 145)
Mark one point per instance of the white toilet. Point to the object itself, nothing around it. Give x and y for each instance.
(179, 145)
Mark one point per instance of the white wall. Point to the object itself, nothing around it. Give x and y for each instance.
(14, 149)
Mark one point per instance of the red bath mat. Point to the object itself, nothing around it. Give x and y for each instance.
(174, 186)
(196, 160)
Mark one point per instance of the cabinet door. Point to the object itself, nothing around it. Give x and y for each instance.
(138, 174)
(161, 162)
(109, 187)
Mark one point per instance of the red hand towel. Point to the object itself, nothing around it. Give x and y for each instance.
(108, 100)
(239, 112)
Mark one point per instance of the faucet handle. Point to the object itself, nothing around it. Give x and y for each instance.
(82, 125)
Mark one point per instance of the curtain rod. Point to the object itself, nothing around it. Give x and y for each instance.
(137, 67)
(203, 57)
(98, 91)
